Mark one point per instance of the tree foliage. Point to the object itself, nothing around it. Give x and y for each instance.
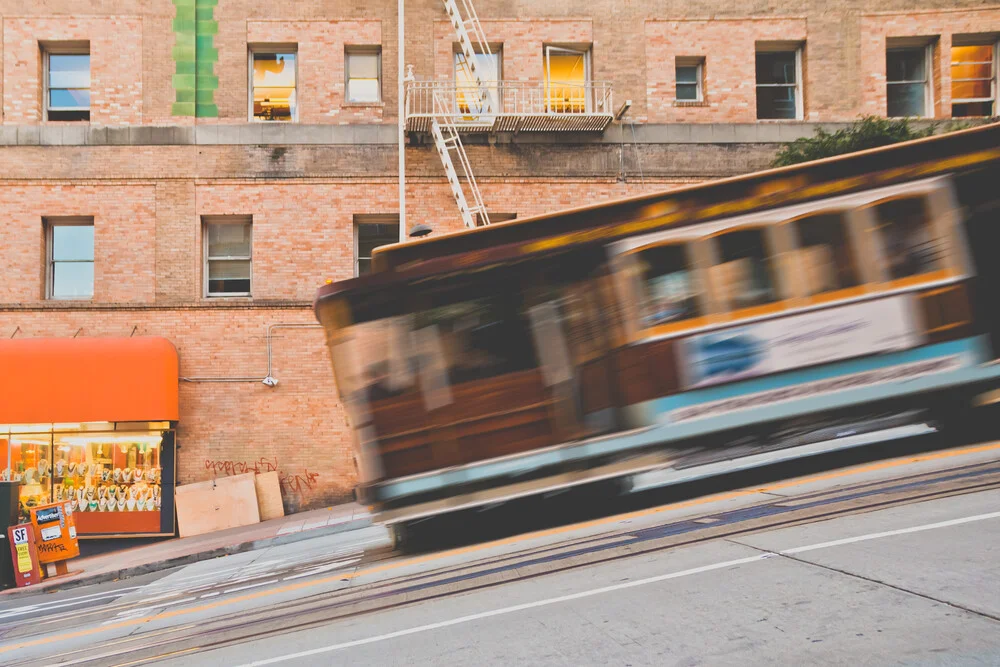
(867, 132)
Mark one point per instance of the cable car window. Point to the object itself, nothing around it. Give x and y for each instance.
(744, 271)
(670, 286)
(909, 241)
(827, 260)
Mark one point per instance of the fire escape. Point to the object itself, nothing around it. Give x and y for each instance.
(483, 103)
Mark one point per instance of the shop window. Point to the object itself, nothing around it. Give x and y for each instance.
(70, 249)
(973, 80)
(907, 82)
(370, 232)
(108, 472)
(778, 85)
(228, 244)
(67, 85)
(688, 76)
(827, 260)
(273, 79)
(363, 68)
(567, 80)
(469, 96)
(669, 285)
(744, 272)
(909, 242)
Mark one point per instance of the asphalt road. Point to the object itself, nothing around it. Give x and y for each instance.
(890, 562)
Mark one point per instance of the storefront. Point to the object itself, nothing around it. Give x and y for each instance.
(92, 421)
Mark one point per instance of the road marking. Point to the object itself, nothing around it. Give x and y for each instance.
(610, 589)
(321, 569)
(243, 588)
(890, 533)
(288, 588)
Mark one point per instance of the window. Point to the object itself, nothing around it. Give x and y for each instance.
(778, 77)
(363, 67)
(907, 82)
(909, 241)
(67, 80)
(744, 273)
(70, 258)
(827, 261)
(567, 78)
(973, 80)
(272, 84)
(468, 95)
(689, 77)
(669, 285)
(228, 255)
(370, 232)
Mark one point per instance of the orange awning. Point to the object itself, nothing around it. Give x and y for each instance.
(46, 380)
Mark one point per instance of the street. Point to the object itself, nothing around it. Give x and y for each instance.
(892, 562)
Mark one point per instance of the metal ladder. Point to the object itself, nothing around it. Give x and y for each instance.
(448, 141)
(443, 128)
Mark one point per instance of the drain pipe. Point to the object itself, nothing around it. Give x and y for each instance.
(268, 379)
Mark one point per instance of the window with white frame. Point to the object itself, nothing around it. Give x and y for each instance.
(67, 84)
(973, 80)
(363, 68)
(567, 80)
(688, 78)
(70, 251)
(273, 78)
(370, 232)
(468, 94)
(779, 88)
(908, 82)
(228, 250)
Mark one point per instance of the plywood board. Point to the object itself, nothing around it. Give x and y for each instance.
(269, 495)
(226, 502)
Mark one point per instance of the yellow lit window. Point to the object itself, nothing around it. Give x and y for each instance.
(274, 79)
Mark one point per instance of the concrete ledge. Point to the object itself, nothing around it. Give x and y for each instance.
(265, 134)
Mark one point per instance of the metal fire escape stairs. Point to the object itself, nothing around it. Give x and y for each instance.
(446, 135)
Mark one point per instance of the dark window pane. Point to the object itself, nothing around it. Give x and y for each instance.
(687, 74)
(910, 244)
(73, 242)
(776, 67)
(69, 115)
(364, 266)
(69, 99)
(972, 109)
(72, 280)
(687, 91)
(778, 102)
(905, 65)
(905, 99)
(371, 236)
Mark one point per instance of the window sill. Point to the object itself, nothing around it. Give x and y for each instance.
(363, 105)
(690, 103)
(209, 298)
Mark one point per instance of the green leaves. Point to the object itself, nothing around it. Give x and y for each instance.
(867, 132)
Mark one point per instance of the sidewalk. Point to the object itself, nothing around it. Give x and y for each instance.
(183, 551)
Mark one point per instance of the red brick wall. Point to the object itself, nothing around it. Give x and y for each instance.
(729, 48)
(115, 65)
(938, 27)
(320, 85)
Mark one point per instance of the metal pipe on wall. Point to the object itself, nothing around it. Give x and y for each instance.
(267, 379)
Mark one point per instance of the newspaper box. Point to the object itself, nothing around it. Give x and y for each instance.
(27, 569)
(55, 534)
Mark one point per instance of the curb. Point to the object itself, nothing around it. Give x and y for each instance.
(187, 559)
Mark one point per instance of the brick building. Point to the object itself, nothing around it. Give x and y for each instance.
(207, 164)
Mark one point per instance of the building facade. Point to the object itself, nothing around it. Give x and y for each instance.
(195, 169)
